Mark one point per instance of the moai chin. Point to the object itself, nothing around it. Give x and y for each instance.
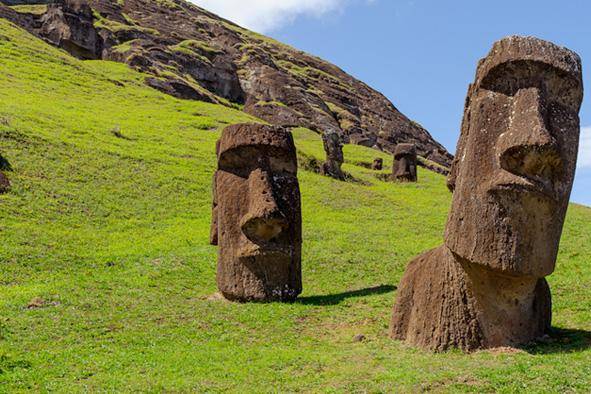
(333, 147)
(378, 164)
(256, 219)
(511, 181)
(405, 163)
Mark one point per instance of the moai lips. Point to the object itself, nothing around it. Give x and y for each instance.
(511, 181)
(256, 219)
(405, 163)
(333, 147)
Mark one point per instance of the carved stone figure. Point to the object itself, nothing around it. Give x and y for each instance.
(405, 163)
(378, 164)
(256, 218)
(334, 156)
(511, 181)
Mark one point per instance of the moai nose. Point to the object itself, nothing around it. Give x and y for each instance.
(264, 220)
(527, 147)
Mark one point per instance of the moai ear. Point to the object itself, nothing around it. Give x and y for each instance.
(213, 233)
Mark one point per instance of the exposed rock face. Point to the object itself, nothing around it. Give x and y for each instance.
(334, 156)
(405, 163)
(193, 54)
(71, 26)
(512, 178)
(378, 164)
(4, 183)
(256, 218)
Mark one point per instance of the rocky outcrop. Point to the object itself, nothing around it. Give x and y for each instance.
(191, 53)
(71, 26)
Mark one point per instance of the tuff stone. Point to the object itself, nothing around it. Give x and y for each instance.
(190, 53)
(334, 156)
(511, 181)
(378, 164)
(256, 216)
(70, 25)
(405, 163)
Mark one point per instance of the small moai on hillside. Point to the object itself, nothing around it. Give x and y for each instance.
(256, 216)
(404, 168)
(511, 180)
(333, 147)
(378, 164)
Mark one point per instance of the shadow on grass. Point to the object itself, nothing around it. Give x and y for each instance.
(562, 340)
(334, 299)
(5, 164)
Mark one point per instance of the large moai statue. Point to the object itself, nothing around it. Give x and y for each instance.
(511, 181)
(405, 163)
(256, 218)
(333, 147)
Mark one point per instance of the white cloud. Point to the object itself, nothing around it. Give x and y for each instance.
(266, 15)
(584, 159)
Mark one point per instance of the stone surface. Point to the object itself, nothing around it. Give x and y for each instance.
(70, 25)
(256, 217)
(378, 164)
(405, 163)
(511, 181)
(192, 54)
(334, 156)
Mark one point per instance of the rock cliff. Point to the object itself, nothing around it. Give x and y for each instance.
(191, 53)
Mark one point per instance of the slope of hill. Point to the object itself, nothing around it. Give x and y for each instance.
(107, 276)
(194, 54)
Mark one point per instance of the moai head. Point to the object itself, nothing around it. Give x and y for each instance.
(378, 164)
(405, 163)
(333, 147)
(257, 214)
(516, 157)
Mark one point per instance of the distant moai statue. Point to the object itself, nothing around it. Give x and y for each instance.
(256, 218)
(333, 147)
(378, 164)
(511, 180)
(405, 163)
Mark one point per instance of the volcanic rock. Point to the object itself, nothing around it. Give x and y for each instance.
(512, 178)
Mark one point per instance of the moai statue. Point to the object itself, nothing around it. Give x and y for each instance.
(256, 218)
(378, 164)
(405, 163)
(334, 156)
(511, 181)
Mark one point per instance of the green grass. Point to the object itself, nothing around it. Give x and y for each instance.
(108, 236)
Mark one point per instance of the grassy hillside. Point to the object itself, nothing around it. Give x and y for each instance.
(106, 275)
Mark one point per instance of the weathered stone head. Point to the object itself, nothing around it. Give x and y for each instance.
(516, 157)
(256, 217)
(405, 163)
(333, 147)
(512, 177)
(378, 164)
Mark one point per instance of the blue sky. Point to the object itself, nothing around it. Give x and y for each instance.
(422, 54)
